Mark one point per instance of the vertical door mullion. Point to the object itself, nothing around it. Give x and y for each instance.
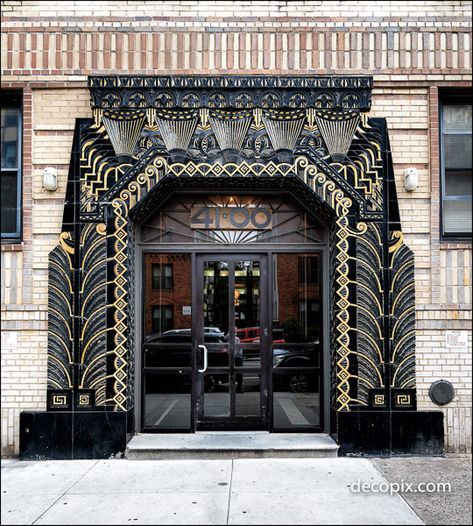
(269, 362)
(264, 307)
(197, 339)
(232, 335)
(322, 336)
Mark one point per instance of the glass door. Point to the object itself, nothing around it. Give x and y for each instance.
(167, 343)
(231, 343)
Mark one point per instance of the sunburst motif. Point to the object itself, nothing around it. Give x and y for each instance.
(289, 224)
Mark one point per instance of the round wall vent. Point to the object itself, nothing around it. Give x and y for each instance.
(441, 392)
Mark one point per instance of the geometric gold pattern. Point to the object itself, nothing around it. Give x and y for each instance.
(337, 129)
(272, 130)
(124, 129)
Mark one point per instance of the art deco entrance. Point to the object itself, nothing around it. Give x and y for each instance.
(175, 174)
(232, 339)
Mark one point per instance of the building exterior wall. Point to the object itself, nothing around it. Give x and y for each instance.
(411, 49)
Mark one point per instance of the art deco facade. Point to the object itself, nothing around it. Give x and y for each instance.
(261, 222)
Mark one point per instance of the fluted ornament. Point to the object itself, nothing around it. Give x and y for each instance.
(230, 127)
(283, 127)
(177, 127)
(337, 128)
(124, 129)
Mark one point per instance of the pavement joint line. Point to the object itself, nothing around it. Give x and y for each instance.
(230, 493)
(399, 494)
(62, 495)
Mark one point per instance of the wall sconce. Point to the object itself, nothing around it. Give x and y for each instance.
(50, 179)
(411, 181)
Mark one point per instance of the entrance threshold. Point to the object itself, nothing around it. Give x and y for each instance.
(216, 445)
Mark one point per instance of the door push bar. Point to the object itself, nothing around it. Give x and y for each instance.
(205, 358)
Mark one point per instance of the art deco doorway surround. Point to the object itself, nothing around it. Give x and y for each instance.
(311, 136)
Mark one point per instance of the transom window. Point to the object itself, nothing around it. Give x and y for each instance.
(11, 167)
(235, 219)
(456, 168)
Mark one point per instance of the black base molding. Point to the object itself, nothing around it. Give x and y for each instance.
(66, 435)
(384, 433)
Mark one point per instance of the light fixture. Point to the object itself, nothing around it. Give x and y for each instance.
(50, 179)
(237, 295)
(411, 179)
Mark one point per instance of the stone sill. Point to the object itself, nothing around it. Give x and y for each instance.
(444, 306)
(449, 245)
(11, 247)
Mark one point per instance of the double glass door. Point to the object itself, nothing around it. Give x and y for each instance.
(231, 340)
(221, 351)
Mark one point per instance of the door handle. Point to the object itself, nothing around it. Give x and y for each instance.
(205, 358)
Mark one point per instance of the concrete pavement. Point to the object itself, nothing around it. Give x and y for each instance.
(226, 491)
(452, 507)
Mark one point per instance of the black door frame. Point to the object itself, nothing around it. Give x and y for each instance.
(241, 253)
(202, 422)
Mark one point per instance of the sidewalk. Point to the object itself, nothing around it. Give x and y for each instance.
(244, 491)
(452, 507)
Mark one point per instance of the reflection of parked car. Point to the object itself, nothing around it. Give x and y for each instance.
(299, 380)
(213, 330)
(207, 330)
(174, 349)
(252, 334)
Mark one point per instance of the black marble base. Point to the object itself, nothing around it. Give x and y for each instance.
(64, 435)
(384, 433)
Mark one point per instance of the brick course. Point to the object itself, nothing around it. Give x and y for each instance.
(171, 37)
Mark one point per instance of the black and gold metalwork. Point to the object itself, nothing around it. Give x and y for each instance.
(310, 134)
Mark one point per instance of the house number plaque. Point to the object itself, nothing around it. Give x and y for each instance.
(231, 218)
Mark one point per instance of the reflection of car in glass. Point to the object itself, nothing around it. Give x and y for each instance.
(299, 380)
(213, 330)
(207, 330)
(174, 349)
(252, 334)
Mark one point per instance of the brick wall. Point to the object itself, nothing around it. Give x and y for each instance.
(417, 41)
(48, 121)
(443, 270)
(411, 49)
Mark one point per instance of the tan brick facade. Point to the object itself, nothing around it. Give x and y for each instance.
(411, 48)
